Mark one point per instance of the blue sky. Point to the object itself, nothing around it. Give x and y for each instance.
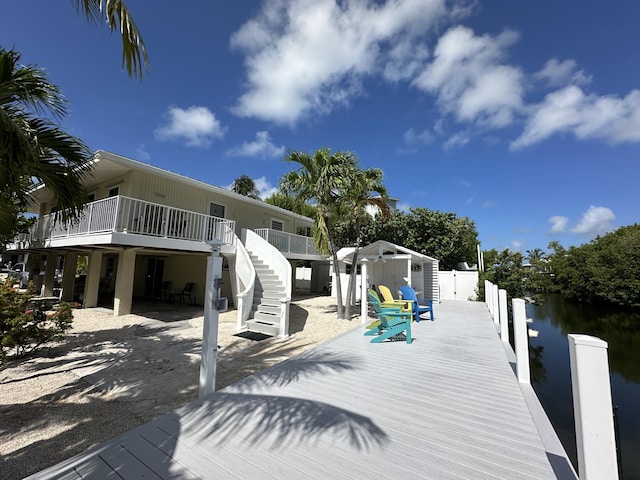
(523, 116)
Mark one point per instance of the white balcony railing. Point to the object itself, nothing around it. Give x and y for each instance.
(129, 215)
(288, 242)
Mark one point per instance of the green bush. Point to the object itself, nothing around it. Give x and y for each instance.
(26, 325)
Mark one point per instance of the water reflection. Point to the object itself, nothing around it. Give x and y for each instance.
(550, 368)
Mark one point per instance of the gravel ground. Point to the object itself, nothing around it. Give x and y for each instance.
(112, 374)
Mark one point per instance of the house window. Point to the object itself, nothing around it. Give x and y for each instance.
(91, 197)
(216, 210)
(114, 191)
(348, 268)
(277, 225)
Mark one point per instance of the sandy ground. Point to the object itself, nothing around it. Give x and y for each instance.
(114, 373)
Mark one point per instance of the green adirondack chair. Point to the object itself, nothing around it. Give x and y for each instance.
(392, 324)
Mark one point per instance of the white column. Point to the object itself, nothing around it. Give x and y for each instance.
(49, 275)
(92, 282)
(209, 356)
(504, 315)
(123, 294)
(595, 436)
(69, 276)
(521, 340)
(364, 299)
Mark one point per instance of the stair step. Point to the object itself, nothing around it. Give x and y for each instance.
(274, 287)
(262, 326)
(268, 277)
(272, 309)
(272, 295)
(269, 284)
(269, 302)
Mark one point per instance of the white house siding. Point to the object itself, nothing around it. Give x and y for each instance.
(455, 285)
(166, 191)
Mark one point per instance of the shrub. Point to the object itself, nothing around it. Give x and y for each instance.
(26, 325)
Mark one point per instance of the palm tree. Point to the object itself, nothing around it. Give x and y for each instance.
(116, 15)
(244, 185)
(366, 190)
(322, 178)
(35, 150)
(293, 204)
(535, 254)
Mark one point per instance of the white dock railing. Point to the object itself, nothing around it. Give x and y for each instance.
(129, 215)
(593, 410)
(288, 242)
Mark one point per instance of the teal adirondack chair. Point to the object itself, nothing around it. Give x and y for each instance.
(391, 323)
(409, 293)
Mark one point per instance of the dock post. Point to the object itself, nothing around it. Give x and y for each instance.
(364, 300)
(593, 410)
(494, 302)
(209, 356)
(521, 340)
(488, 295)
(504, 315)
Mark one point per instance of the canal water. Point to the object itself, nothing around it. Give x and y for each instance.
(551, 375)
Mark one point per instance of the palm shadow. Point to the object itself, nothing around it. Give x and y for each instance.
(279, 421)
(122, 376)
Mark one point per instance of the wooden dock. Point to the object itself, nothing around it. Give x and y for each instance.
(448, 406)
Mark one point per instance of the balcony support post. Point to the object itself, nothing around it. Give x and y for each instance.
(124, 282)
(69, 276)
(92, 282)
(49, 275)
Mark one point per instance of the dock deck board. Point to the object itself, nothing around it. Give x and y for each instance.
(448, 406)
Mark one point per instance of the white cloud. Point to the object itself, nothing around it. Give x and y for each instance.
(403, 207)
(570, 110)
(457, 140)
(470, 79)
(517, 245)
(595, 221)
(560, 74)
(404, 61)
(411, 137)
(261, 147)
(197, 126)
(309, 56)
(265, 188)
(143, 153)
(558, 224)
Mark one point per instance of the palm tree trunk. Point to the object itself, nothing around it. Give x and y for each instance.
(336, 269)
(352, 283)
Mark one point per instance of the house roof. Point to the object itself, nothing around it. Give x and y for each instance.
(383, 249)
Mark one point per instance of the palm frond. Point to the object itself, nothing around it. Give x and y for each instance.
(117, 17)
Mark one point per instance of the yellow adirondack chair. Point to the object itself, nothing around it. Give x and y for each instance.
(388, 300)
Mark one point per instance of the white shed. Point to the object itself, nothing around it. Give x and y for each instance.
(393, 266)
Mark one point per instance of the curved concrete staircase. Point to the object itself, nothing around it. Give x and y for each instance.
(269, 312)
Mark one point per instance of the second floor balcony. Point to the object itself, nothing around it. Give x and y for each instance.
(289, 244)
(120, 215)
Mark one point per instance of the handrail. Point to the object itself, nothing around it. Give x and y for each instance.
(288, 242)
(130, 215)
(245, 280)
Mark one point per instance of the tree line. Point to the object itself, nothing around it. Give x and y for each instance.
(605, 270)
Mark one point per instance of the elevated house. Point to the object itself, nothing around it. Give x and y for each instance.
(146, 234)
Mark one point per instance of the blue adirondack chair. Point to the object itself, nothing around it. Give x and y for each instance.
(409, 293)
(391, 322)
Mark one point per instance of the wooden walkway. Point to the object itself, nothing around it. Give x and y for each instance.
(447, 406)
